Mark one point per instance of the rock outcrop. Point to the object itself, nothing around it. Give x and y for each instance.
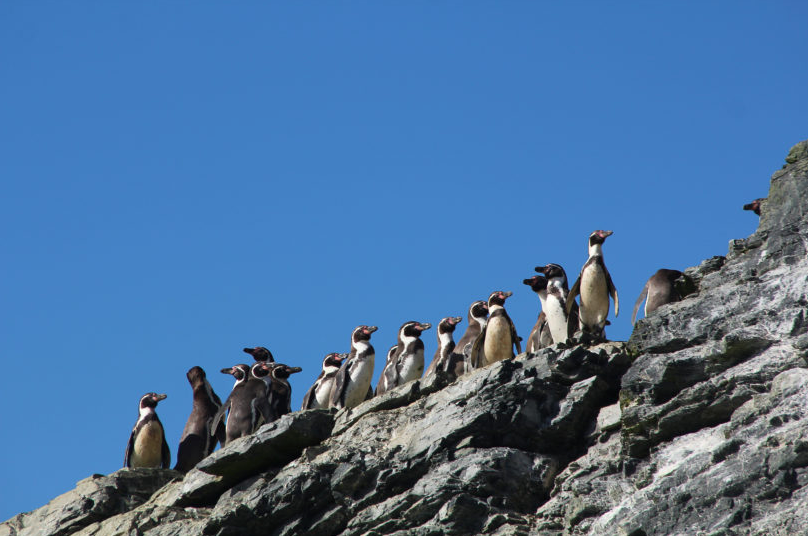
(697, 425)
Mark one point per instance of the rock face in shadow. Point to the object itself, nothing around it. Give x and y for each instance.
(697, 425)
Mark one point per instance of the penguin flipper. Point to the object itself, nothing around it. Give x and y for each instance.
(517, 340)
(165, 453)
(307, 398)
(642, 296)
(130, 448)
(477, 355)
(335, 400)
(574, 291)
(612, 291)
(214, 425)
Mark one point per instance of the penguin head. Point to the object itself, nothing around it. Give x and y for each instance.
(333, 360)
(392, 352)
(261, 369)
(448, 324)
(282, 372)
(537, 283)
(478, 312)
(260, 353)
(150, 400)
(754, 206)
(412, 329)
(497, 298)
(552, 270)
(599, 237)
(240, 372)
(196, 376)
(363, 333)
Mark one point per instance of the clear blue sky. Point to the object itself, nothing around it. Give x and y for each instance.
(181, 180)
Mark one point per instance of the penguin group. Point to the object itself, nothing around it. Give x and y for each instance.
(261, 393)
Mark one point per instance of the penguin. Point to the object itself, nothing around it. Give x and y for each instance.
(407, 363)
(352, 383)
(384, 381)
(562, 325)
(594, 284)
(247, 406)
(540, 336)
(755, 205)
(147, 445)
(446, 344)
(198, 439)
(459, 362)
(317, 395)
(280, 392)
(659, 289)
(498, 337)
(260, 353)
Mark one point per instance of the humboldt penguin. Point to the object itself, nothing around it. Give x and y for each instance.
(147, 445)
(247, 406)
(280, 392)
(446, 344)
(562, 325)
(352, 383)
(498, 337)
(407, 363)
(260, 353)
(459, 362)
(755, 205)
(385, 381)
(540, 336)
(317, 395)
(198, 439)
(659, 290)
(594, 284)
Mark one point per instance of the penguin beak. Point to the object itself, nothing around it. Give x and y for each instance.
(529, 282)
(604, 234)
(423, 326)
(160, 397)
(540, 269)
(227, 370)
(505, 295)
(370, 329)
(456, 320)
(292, 370)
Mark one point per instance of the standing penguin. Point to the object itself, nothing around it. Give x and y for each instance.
(498, 337)
(198, 439)
(247, 406)
(540, 336)
(660, 289)
(594, 284)
(446, 344)
(459, 362)
(352, 383)
(147, 445)
(280, 392)
(260, 353)
(385, 381)
(562, 324)
(317, 395)
(407, 363)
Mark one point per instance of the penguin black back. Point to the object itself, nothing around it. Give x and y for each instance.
(198, 439)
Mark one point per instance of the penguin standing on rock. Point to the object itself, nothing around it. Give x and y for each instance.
(446, 344)
(659, 289)
(498, 336)
(407, 363)
(317, 396)
(198, 439)
(594, 284)
(280, 392)
(540, 336)
(352, 383)
(562, 325)
(385, 381)
(247, 406)
(147, 445)
(459, 361)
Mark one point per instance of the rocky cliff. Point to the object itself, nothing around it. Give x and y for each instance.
(696, 425)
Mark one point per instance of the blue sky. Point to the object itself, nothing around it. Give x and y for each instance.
(184, 180)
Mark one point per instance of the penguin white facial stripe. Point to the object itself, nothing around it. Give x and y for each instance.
(445, 338)
(596, 249)
(361, 346)
(145, 411)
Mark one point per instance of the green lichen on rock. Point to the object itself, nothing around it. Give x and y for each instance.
(798, 152)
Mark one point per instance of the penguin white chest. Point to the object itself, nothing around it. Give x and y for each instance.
(498, 344)
(323, 392)
(148, 449)
(360, 374)
(412, 366)
(556, 319)
(594, 296)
